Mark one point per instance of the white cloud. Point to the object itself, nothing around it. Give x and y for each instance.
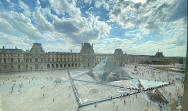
(5, 26)
(42, 23)
(108, 45)
(12, 41)
(25, 8)
(88, 2)
(21, 24)
(139, 15)
(101, 3)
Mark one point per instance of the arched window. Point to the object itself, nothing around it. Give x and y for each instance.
(48, 66)
(79, 64)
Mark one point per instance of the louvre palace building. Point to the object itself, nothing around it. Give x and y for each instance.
(13, 60)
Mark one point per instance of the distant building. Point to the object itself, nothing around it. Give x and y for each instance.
(159, 54)
(12, 60)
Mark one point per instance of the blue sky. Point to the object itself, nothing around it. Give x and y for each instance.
(136, 26)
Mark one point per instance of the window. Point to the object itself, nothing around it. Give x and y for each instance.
(57, 65)
(48, 59)
(61, 60)
(57, 60)
(64, 65)
(30, 60)
(18, 66)
(72, 65)
(4, 60)
(12, 66)
(26, 60)
(12, 59)
(52, 65)
(36, 59)
(48, 66)
(18, 59)
(52, 59)
(61, 65)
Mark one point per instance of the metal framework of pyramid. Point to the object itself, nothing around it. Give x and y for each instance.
(108, 71)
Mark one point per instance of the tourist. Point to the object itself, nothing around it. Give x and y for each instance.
(95, 105)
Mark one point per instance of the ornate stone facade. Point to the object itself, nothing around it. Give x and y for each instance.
(12, 60)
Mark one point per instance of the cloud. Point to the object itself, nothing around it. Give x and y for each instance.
(20, 23)
(101, 3)
(12, 41)
(108, 45)
(66, 27)
(62, 23)
(152, 14)
(42, 23)
(26, 8)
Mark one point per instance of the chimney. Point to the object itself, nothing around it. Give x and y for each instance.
(16, 47)
(3, 47)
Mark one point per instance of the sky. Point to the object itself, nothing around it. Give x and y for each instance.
(138, 27)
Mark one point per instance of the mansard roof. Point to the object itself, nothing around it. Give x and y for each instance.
(11, 51)
(37, 47)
